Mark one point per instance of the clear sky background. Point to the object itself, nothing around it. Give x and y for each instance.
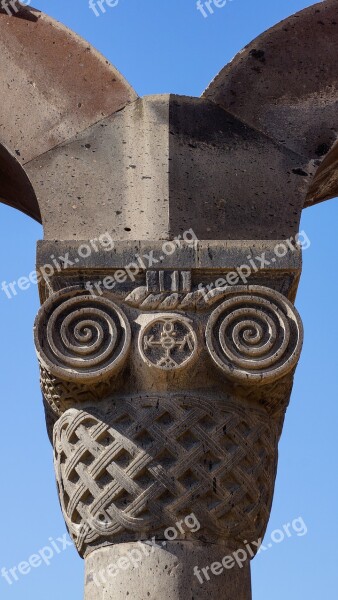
(167, 46)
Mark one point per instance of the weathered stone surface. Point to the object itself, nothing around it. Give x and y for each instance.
(166, 574)
(167, 337)
(261, 157)
(274, 263)
(132, 467)
(80, 359)
(53, 85)
(284, 84)
(168, 164)
(190, 419)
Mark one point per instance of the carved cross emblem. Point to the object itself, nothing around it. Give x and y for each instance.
(168, 342)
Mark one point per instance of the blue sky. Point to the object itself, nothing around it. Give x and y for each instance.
(167, 46)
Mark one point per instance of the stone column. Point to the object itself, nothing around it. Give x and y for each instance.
(167, 336)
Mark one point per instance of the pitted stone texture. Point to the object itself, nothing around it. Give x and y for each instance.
(167, 573)
(135, 466)
(284, 84)
(68, 83)
(53, 85)
(160, 176)
(243, 172)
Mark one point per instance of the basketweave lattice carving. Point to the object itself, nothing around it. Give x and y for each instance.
(138, 466)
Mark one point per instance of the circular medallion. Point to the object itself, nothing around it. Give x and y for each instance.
(168, 342)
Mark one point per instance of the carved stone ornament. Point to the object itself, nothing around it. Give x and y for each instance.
(168, 342)
(167, 338)
(255, 336)
(81, 338)
(131, 468)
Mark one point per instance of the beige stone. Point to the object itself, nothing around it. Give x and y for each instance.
(168, 573)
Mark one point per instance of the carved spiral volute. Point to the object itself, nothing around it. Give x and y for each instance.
(80, 337)
(255, 336)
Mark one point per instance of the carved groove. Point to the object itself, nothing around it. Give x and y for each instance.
(197, 300)
(81, 338)
(255, 336)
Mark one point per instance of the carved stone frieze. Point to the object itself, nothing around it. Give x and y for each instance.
(61, 395)
(96, 344)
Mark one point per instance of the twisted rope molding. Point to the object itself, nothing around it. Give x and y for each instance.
(142, 299)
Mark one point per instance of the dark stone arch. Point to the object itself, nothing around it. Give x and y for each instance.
(16, 189)
(284, 84)
(54, 85)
